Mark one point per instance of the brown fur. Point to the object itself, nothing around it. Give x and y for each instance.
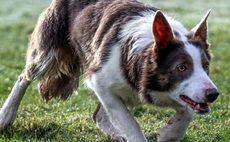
(105, 19)
(74, 35)
(132, 64)
(49, 47)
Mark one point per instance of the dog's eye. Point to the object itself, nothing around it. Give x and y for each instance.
(181, 68)
(207, 66)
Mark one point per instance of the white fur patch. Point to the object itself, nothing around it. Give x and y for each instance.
(140, 30)
(45, 65)
(200, 81)
(110, 77)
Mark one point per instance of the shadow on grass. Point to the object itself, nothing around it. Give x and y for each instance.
(152, 138)
(37, 132)
(49, 132)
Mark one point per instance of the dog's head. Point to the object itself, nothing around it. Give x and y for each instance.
(178, 65)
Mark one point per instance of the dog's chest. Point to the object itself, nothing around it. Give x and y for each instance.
(111, 79)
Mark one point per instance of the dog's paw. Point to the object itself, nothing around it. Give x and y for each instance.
(165, 135)
(120, 138)
(6, 118)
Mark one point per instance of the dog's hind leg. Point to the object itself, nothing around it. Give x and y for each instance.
(8, 112)
(103, 122)
(177, 126)
(36, 67)
(50, 57)
(58, 79)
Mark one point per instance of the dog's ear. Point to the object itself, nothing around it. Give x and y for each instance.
(162, 31)
(201, 30)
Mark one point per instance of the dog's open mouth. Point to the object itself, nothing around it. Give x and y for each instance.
(197, 107)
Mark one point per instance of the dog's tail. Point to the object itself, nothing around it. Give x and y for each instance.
(50, 55)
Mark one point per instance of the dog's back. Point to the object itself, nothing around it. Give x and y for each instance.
(71, 35)
(98, 26)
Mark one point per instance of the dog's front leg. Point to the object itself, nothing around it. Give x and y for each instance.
(177, 126)
(9, 110)
(120, 116)
(102, 120)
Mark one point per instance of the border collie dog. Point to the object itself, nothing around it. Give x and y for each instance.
(129, 54)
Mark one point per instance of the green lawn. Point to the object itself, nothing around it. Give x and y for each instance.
(71, 120)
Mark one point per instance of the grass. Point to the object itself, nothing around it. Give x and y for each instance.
(71, 120)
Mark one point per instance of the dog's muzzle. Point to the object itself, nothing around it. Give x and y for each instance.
(201, 107)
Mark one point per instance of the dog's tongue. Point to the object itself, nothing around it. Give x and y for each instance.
(198, 107)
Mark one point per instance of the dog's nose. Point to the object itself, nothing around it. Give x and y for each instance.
(212, 95)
